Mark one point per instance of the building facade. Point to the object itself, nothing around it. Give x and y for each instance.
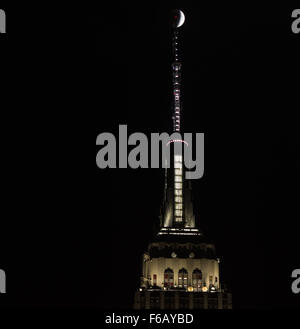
(180, 269)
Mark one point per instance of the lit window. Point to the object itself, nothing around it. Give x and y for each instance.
(183, 278)
(178, 192)
(178, 185)
(178, 206)
(178, 162)
(168, 278)
(178, 213)
(178, 171)
(178, 165)
(178, 158)
(178, 219)
(178, 198)
(178, 178)
(197, 280)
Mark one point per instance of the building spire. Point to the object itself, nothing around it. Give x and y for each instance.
(178, 19)
(176, 69)
(179, 267)
(177, 216)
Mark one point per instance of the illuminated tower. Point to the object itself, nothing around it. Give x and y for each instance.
(180, 269)
(177, 211)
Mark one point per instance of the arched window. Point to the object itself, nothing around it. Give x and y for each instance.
(197, 280)
(183, 278)
(169, 278)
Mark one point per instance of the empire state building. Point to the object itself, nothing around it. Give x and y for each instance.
(180, 269)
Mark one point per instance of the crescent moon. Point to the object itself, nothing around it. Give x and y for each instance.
(181, 19)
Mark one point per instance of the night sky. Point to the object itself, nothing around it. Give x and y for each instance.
(81, 230)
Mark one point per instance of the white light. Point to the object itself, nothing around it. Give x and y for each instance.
(181, 19)
(177, 141)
